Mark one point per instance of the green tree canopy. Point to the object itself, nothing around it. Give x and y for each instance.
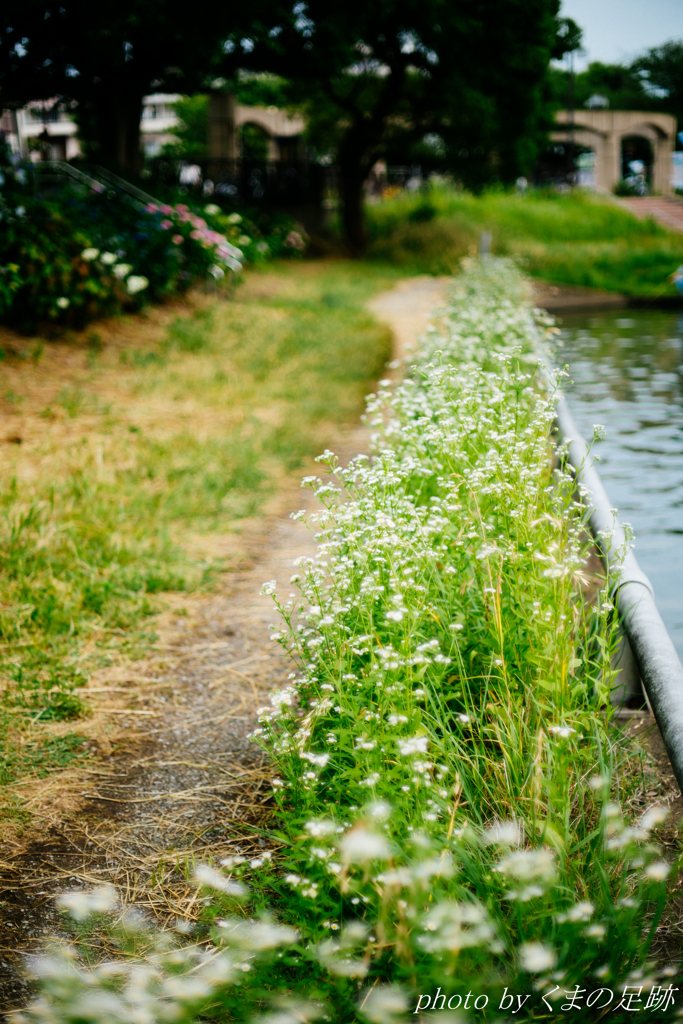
(661, 69)
(191, 134)
(108, 55)
(621, 86)
(374, 75)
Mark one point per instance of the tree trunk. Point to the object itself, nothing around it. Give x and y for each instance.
(120, 134)
(109, 125)
(352, 180)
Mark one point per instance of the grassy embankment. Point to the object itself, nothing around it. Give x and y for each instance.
(128, 448)
(577, 239)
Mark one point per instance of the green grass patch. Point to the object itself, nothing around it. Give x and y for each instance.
(38, 758)
(576, 239)
(151, 447)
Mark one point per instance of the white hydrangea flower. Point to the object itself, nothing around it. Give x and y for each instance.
(136, 283)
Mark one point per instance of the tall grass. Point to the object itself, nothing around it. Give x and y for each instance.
(577, 239)
(448, 793)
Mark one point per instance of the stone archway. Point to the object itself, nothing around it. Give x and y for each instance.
(226, 119)
(604, 130)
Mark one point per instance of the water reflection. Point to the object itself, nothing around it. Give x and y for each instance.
(627, 374)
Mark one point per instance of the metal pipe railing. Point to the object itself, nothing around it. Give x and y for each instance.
(655, 655)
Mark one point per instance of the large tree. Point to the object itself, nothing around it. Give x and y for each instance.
(374, 75)
(106, 56)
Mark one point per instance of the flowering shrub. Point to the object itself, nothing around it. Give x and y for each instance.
(449, 834)
(80, 253)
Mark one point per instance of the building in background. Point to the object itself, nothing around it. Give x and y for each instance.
(46, 129)
(158, 121)
(42, 130)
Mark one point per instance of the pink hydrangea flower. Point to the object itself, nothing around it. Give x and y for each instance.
(177, 239)
(181, 208)
(152, 208)
(166, 224)
(166, 209)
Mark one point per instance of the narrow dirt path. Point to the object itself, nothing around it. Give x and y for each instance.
(182, 780)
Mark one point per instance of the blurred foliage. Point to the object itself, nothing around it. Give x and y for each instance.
(73, 253)
(662, 70)
(575, 239)
(192, 131)
(621, 86)
(380, 80)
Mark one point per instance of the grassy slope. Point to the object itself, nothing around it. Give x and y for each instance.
(576, 239)
(138, 449)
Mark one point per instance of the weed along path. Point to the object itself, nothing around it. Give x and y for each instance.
(170, 775)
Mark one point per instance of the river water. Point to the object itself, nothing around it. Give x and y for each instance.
(627, 372)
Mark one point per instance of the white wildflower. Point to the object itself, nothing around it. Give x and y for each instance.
(80, 905)
(535, 957)
(414, 745)
(362, 844)
(657, 871)
(205, 875)
(90, 254)
(256, 935)
(454, 926)
(563, 731)
(380, 810)
(580, 911)
(654, 816)
(384, 1004)
(320, 827)
(503, 833)
(529, 865)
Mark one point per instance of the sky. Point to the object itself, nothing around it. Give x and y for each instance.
(619, 30)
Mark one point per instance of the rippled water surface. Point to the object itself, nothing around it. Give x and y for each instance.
(627, 373)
